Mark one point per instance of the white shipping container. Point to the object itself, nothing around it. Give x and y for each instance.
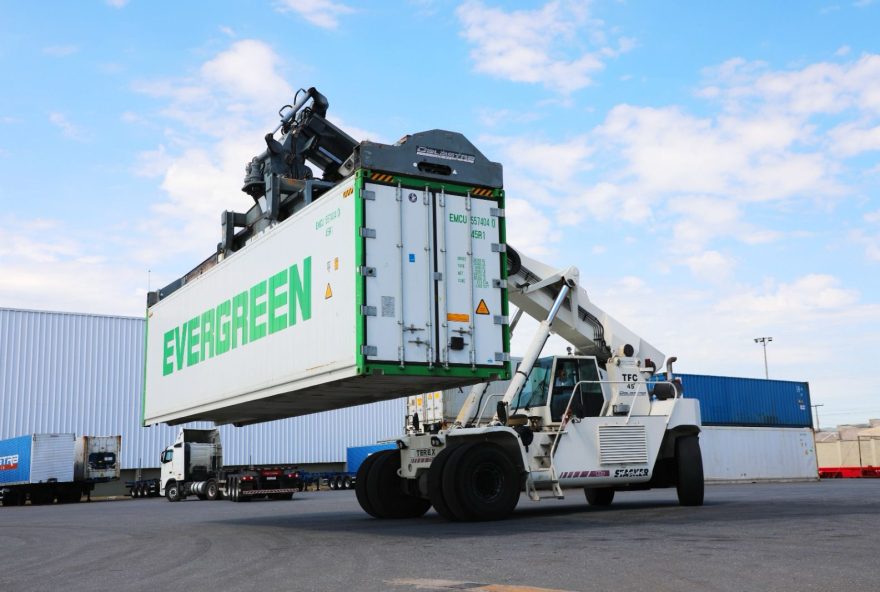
(52, 458)
(758, 454)
(864, 452)
(97, 458)
(370, 293)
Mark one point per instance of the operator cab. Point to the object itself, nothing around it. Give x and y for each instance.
(552, 382)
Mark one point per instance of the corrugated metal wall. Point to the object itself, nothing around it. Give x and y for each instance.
(63, 372)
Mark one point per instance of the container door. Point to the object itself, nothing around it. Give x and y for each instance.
(400, 275)
(469, 296)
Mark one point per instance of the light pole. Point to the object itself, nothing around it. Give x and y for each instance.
(763, 341)
(816, 407)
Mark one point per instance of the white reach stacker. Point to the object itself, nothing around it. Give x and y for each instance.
(591, 421)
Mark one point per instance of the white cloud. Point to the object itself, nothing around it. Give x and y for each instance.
(228, 31)
(60, 51)
(810, 294)
(70, 130)
(321, 13)
(843, 50)
(541, 46)
(711, 266)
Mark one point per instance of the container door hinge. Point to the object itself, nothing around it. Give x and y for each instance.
(499, 248)
(368, 311)
(502, 320)
(367, 271)
(499, 284)
(502, 357)
(369, 350)
(497, 212)
(368, 195)
(438, 276)
(368, 232)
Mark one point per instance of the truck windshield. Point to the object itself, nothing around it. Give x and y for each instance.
(534, 393)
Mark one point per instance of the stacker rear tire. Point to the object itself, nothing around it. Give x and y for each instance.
(385, 489)
(689, 465)
(360, 488)
(435, 484)
(599, 496)
(449, 484)
(486, 481)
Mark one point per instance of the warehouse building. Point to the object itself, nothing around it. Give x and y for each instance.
(82, 373)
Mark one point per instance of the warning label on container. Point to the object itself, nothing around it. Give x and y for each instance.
(328, 293)
(458, 317)
(482, 309)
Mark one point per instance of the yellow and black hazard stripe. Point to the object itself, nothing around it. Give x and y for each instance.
(481, 192)
(381, 177)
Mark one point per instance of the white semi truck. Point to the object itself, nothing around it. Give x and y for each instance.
(390, 276)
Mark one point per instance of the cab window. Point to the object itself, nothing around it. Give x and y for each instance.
(167, 456)
(534, 392)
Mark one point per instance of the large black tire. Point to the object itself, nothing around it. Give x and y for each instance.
(360, 487)
(435, 484)
(448, 483)
(13, 498)
(211, 491)
(384, 488)
(485, 480)
(599, 496)
(232, 488)
(689, 465)
(172, 491)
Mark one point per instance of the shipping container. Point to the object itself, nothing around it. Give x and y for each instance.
(758, 454)
(356, 455)
(731, 401)
(861, 452)
(36, 458)
(97, 458)
(373, 292)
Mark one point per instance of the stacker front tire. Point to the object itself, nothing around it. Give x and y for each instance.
(689, 465)
(599, 496)
(435, 484)
(385, 489)
(360, 488)
(485, 480)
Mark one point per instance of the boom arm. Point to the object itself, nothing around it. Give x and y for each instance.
(561, 305)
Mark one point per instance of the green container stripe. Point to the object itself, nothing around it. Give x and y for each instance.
(393, 369)
(417, 183)
(505, 303)
(359, 280)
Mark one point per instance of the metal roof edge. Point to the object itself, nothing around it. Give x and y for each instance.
(68, 313)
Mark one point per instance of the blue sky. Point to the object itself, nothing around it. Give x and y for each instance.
(714, 172)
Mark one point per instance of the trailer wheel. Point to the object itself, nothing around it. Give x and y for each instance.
(360, 486)
(211, 490)
(599, 496)
(13, 498)
(485, 482)
(689, 465)
(385, 489)
(346, 482)
(232, 489)
(172, 491)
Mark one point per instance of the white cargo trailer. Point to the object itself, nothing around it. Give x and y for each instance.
(386, 286)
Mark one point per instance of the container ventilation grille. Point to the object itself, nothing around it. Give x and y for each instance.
(620, 444)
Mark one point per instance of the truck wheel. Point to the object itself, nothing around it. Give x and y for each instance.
(211, 490)
(172, 491)
(599, 496)
(435, 484)
(689, 463)
(13, 498)
(486, 482)
(346, 482)
(385, 489)
(231, 489)
(360, 487)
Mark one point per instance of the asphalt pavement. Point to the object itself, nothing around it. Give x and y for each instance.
(755, 537)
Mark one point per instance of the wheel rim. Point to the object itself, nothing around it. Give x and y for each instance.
(488, 482)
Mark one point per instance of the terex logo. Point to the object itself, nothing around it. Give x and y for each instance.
(8, 462)
(266, 308)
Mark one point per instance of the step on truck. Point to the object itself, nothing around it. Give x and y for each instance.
(45, 468)
(193, 466)
(390, 276)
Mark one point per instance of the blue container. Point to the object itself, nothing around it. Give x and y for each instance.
(15, 460)
(730, 401)
(356, 455)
